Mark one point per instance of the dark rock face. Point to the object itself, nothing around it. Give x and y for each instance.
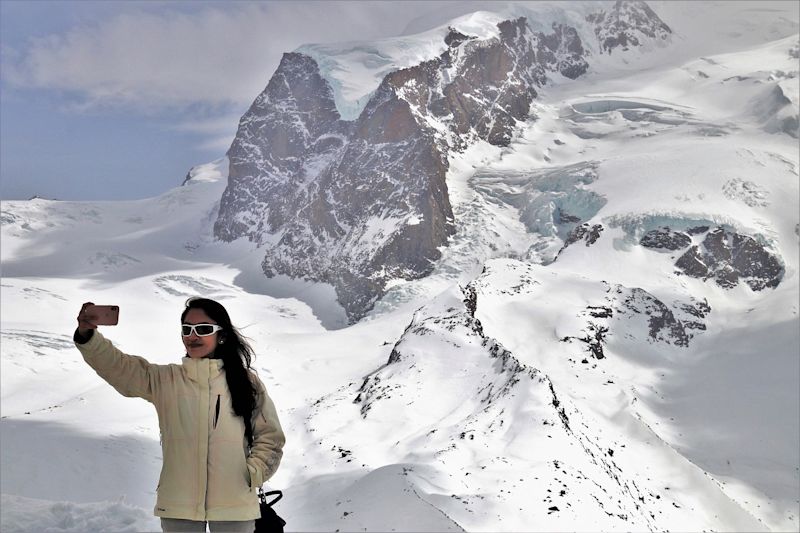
(331, 200)
(495, 84)
(728, 258)
(665, 238)
(291, 127)
(725, 256)
(594, 340)
(697, 230)
(586, 233)
(627, 24)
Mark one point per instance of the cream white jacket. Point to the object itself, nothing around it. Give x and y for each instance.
(207, 472)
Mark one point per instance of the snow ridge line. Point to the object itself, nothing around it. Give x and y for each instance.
(414, 490)
(611, 469)
(693, 465)
(471, 302)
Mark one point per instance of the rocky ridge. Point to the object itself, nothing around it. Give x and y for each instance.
(626, 25)
(464, 442)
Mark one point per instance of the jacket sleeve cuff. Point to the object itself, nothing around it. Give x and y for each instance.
(91, 345)
(80, 339)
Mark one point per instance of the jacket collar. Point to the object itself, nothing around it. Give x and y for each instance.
(198, 369)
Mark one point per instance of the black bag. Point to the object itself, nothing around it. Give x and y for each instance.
(269, 522)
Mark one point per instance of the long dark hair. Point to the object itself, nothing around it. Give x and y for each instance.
(236, 354)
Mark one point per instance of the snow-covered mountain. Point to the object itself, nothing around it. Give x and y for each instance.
(360, 201)
(570, 233)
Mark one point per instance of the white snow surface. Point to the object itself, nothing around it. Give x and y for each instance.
(454, 436)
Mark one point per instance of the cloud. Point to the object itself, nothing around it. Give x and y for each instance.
(195, 64)
(214, 56)
(217, 132)
(208, 125)
(153, 60)
(216, 144)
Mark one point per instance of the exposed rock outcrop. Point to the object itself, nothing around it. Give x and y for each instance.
(665, 239)
(584, 232)
(728, 257)
(452, 327)
(626, 25)
(672, 324)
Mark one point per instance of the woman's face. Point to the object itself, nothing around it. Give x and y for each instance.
(199, 347)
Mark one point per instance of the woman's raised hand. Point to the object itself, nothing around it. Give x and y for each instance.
(85, 321)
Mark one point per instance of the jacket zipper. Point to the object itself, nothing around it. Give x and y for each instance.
(216, 413)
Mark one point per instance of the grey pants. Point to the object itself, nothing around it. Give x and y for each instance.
(170, 525)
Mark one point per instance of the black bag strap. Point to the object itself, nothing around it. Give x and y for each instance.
(263, 496)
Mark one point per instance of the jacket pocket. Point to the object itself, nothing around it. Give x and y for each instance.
(178, 481)
(252, 476)
(228, 475)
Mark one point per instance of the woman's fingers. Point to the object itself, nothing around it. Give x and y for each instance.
(85, 320)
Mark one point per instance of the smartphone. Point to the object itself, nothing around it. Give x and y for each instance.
(103, 315)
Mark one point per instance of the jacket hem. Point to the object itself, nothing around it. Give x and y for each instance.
(237, 513)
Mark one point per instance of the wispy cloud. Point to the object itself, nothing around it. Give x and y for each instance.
(217, 132)
(153, 60)
(209, 125)
(217, 144)
(214, 56)
(204, 62)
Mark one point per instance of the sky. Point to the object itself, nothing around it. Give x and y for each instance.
(118, 100)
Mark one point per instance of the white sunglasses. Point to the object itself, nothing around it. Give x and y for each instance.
(201, 330)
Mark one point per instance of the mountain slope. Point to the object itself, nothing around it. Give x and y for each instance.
(607, 339)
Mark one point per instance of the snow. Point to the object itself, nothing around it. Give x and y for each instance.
(30, 514)
(458, 437)
(354, 70)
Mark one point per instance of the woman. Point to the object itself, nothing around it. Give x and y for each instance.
(220, 434)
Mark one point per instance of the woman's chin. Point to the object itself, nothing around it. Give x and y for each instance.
(196, 353)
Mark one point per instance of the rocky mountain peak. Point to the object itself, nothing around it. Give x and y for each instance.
(357, 203)
(628, 24)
